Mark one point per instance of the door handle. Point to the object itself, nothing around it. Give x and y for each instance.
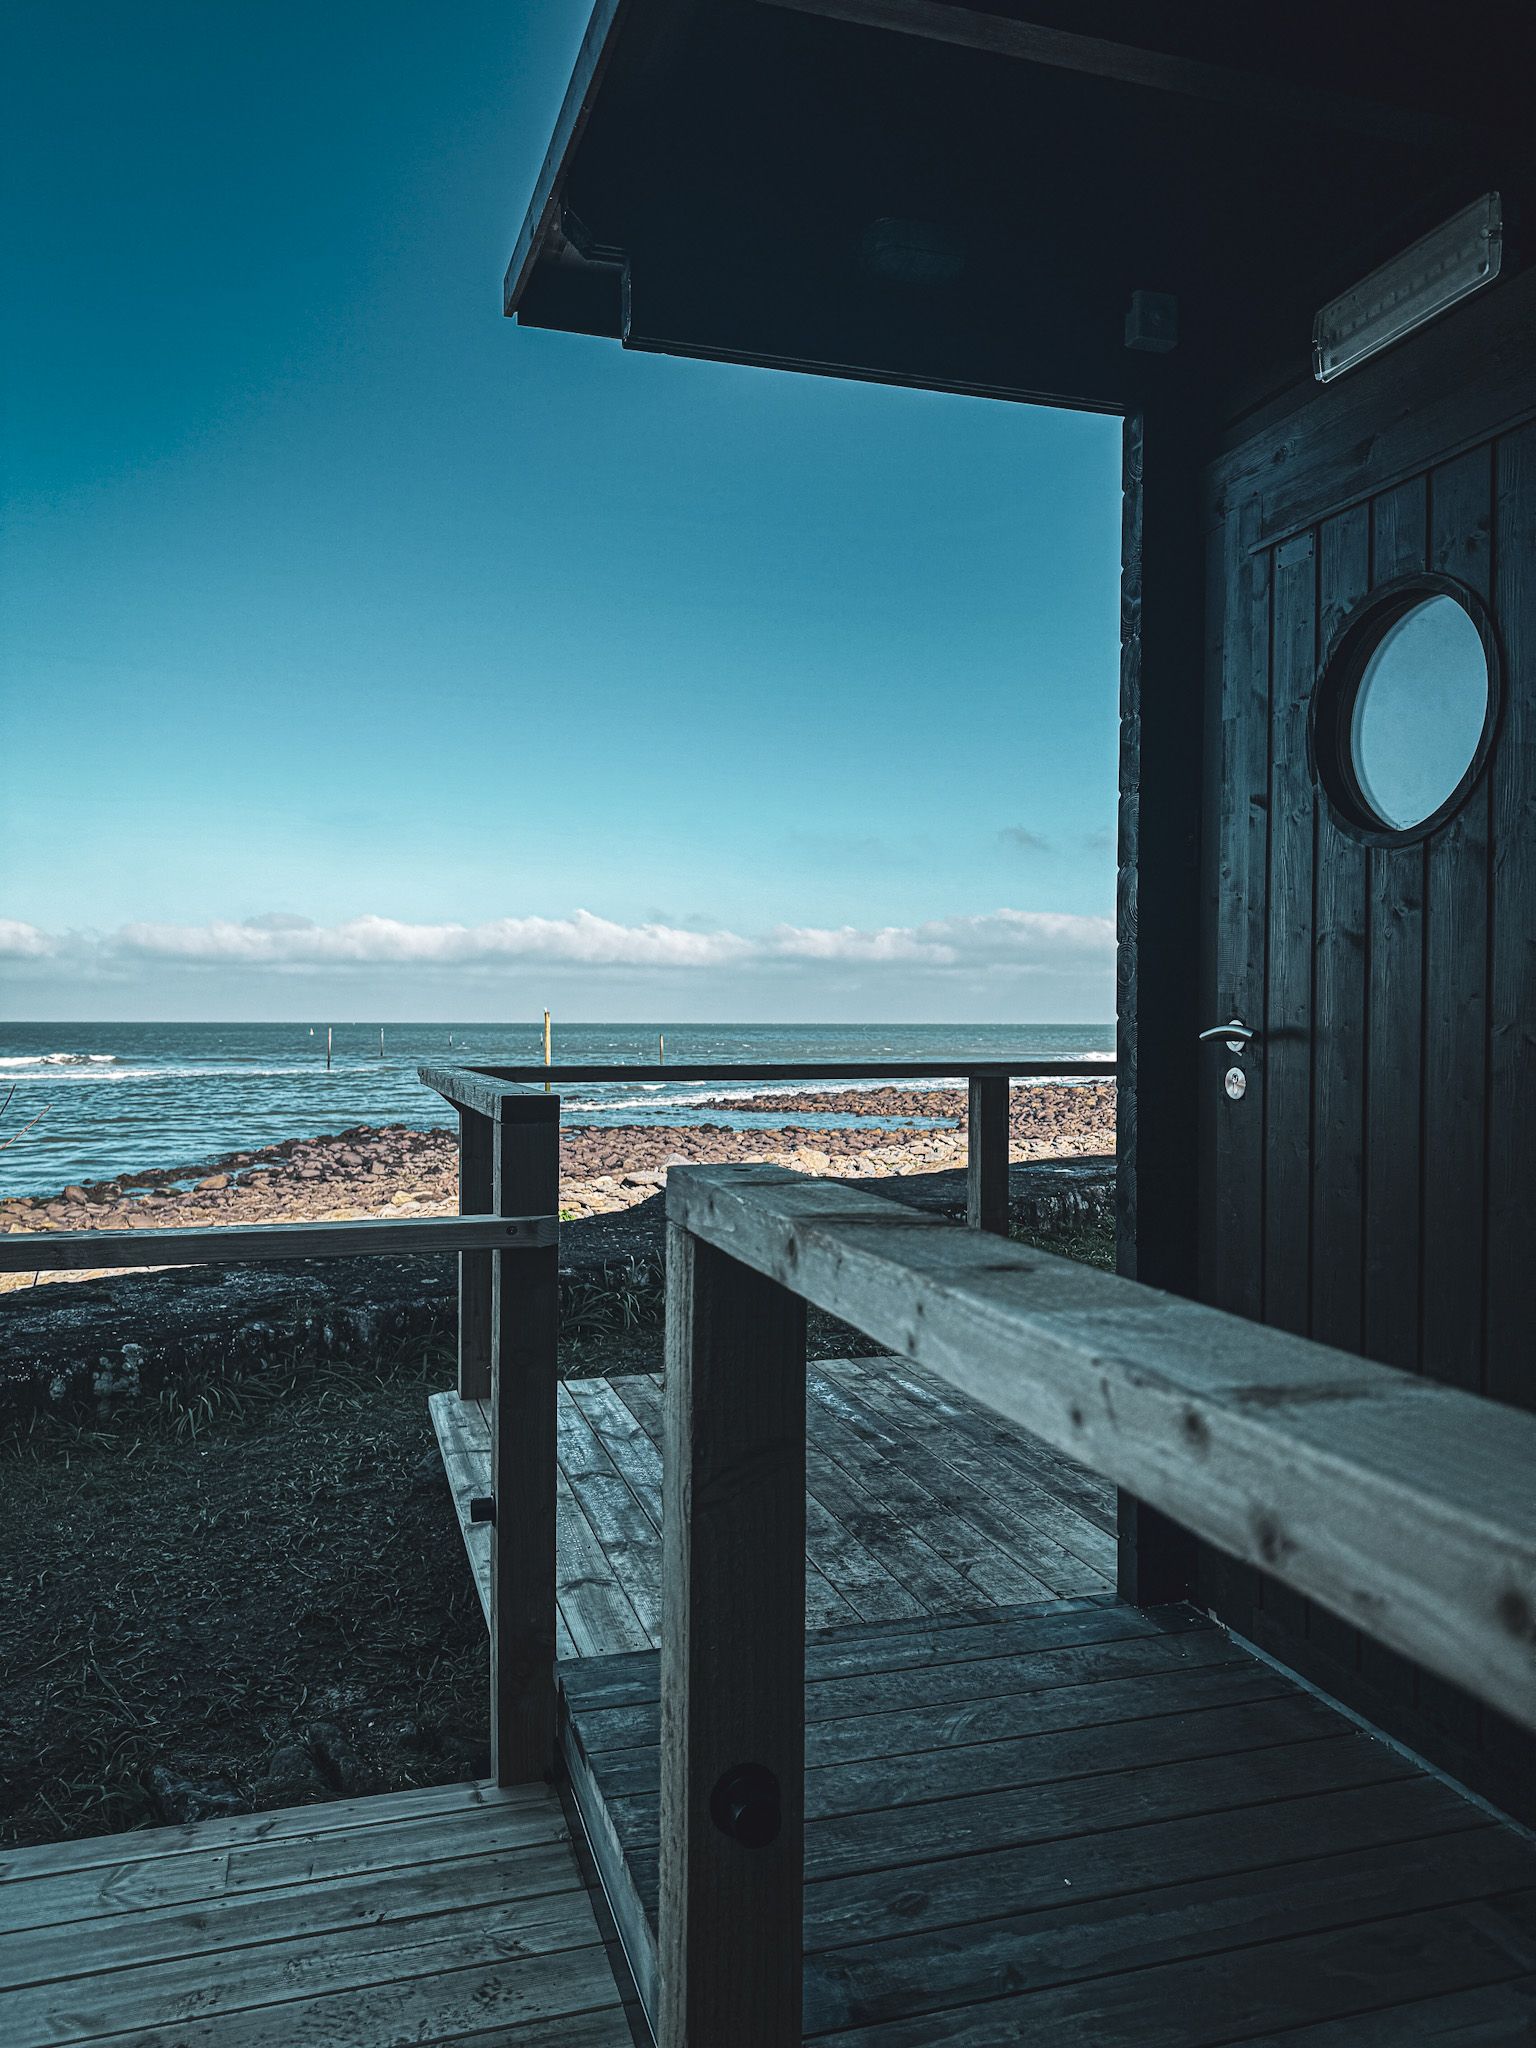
(1235, 1032)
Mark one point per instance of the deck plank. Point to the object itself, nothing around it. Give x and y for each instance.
(990, 1569)
(1068, 1504)
(1494, 2016)
(637, 1454)
(52, 1898)
(592, 1597)
(1164, 1838)
(248, 1975)
(1334, 1973)
(897, 1531)
(421, 1923)
(241, 1829)
(625, 1710)
(205, 1927)
(924, 1733)
(907, 1975)
(630, 1540)
(945, 1413)
(1062, 1543)
(832, 1593)
(1052, 1567)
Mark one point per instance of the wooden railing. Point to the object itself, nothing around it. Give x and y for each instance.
(511, 1229)
(1407, 1508)
(475, 1093)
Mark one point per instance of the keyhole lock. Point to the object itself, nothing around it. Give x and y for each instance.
(1236, 1083)
(746, 1805)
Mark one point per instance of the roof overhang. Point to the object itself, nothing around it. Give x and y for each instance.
(968, 196)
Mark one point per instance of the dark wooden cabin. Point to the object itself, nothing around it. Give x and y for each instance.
(1140, 210)
(1153, 1662)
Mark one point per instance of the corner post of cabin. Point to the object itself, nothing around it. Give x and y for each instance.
(525, 1330)
(476, 1194)
(987, 1154)
(733, 1654)
(1166, 753)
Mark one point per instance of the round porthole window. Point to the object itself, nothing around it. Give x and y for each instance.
(1406, 710)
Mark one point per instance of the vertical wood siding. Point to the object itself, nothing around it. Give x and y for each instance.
(1376, 1187)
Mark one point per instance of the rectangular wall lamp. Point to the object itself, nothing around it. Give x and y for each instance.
(1444, 267)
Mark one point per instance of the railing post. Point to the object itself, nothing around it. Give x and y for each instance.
(476, 1195)
(525, 1330)
(987, 1154)
(733, 1656)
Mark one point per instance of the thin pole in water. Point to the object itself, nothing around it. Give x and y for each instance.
(327, 1048)
(546, 1047)
(381, 1041)
(661, 1047)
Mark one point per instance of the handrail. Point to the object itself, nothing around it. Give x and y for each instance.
(942, 1068)
(1405, 1507)
(238, 1244)
(509, 1170)
(475, 1092)
(509, 1164)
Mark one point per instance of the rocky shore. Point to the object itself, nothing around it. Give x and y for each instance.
(397, 1171)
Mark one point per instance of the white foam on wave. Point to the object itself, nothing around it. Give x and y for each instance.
(61, 1059)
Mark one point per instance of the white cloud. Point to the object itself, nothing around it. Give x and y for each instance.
(1019, 941)
(20, 941)
(280, 941)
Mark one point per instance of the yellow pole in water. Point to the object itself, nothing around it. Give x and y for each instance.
(661, 1047)
(546, 1047)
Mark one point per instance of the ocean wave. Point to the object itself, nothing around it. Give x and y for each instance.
(62, 1059)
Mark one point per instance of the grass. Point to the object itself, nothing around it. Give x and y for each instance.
(1091, 1244)
(229, 1573)
(267, 1567)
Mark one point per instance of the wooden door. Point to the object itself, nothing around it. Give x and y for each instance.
(1375, 1184)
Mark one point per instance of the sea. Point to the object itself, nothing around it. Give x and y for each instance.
(82, 1102)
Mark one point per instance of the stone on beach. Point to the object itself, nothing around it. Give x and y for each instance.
(363, 1172)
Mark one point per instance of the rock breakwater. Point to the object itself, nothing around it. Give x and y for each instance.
(396, 1170)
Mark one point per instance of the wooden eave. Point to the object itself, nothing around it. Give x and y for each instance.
(716, 172)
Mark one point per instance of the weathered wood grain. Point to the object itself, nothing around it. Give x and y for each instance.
(942, 1970)
(203, 1928)
(336, 1816)
(733, 1651)
(525, 1336)
(1191, 2003)
(986, 1154)
(222, 1870)
(476, 1089)
(971, 1860)
(960, 1890)
(245, 1244)
(480, 1087)
(629, 1426)
(1404, 1507)
(477, 1188)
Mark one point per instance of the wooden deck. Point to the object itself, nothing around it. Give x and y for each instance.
(1102, 1828)
(1032, 1812)
(422, 1917)
(918, 1503)
(1049, 1817)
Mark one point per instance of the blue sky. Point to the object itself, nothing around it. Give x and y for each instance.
(354, 637)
